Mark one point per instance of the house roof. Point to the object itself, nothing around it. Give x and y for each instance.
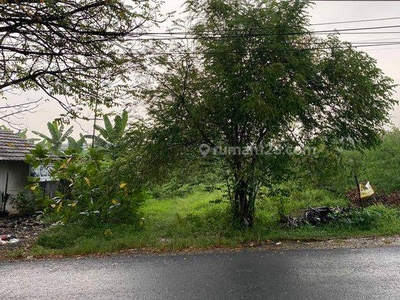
(13, 147)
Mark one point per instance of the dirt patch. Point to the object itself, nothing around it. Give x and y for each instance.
(276, 246)
(362, 242)
(18, 234)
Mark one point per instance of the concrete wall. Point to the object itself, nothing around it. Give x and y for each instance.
(18, 172)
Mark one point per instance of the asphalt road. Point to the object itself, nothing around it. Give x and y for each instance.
(296, 274)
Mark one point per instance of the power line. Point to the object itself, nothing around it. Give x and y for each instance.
(356, 21)
(317, 24)
(369, 32)
(380, 40)
(181, 35)
(362, 28)
(281, 50)
(289, 33)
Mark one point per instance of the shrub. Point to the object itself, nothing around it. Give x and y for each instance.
(94, 189)
(27, 203)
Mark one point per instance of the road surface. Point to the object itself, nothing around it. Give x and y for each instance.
(294, 274)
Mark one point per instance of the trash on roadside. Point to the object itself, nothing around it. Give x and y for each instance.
(19, 231)
(314, 216)
(8, 239)
(366, 190)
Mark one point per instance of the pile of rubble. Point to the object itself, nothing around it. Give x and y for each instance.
(314, 216)
(19, 231)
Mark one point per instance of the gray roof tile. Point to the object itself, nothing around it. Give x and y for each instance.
(12, 147)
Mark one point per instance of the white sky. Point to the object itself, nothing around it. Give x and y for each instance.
(388, 57)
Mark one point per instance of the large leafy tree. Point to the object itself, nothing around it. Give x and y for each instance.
(71, 48)
(255, 87)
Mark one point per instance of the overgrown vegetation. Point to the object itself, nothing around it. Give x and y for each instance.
(255, 95)
(253, 127)
(29, 203)
(197, 221)
(92, 189)
(195, 214)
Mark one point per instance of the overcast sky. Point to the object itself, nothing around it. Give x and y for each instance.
(387, 56)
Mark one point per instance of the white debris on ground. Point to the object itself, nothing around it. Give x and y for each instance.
(8, 239)
(19, 231)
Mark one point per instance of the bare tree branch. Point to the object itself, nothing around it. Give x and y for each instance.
(64, 47)
(10, 113)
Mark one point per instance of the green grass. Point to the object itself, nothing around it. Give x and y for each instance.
(197, 221)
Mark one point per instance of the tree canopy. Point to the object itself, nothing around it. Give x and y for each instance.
(71, 48)
(256, 87)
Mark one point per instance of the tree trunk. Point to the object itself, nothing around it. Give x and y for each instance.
(243, 205)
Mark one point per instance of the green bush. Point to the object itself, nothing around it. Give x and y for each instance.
(360, 219)
(94, 191)
(57, 239)
(27, 203)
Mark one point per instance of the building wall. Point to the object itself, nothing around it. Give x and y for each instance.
(18, 173)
